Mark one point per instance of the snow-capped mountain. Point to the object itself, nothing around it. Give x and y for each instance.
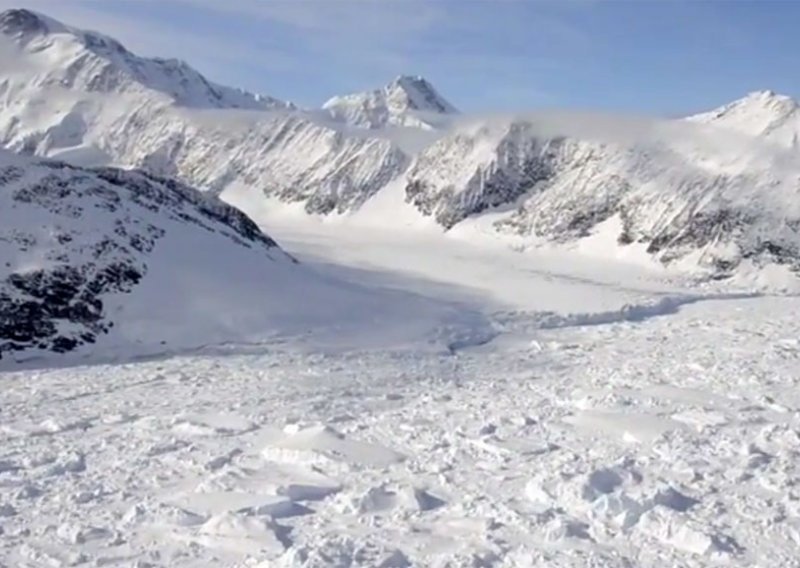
(717, 188)
(107, 106)
(765, 114)
(48, 53)
(678, 189)
(406, 101)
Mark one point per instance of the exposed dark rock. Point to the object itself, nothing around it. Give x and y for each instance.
(60, 305)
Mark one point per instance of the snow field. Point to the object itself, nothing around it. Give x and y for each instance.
(664, 441)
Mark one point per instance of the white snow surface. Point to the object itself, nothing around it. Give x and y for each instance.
(614, 417)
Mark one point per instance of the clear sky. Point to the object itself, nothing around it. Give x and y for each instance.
(666, 57)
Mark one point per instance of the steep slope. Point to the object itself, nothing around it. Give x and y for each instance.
(406, 101)
(86, 254)
(81, 97)
(764, 114)
(681, 190)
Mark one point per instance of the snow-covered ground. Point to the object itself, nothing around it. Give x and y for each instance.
(578, 413)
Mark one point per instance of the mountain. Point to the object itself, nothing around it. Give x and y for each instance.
(406, 101)
(771, 116)
(716, 190)
(677, 190)
(82, 97)
(48, 53)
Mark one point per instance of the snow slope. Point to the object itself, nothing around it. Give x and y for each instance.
(764, 114)
(105, 263)
(81, 249)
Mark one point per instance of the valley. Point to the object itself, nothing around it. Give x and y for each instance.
(379, 332)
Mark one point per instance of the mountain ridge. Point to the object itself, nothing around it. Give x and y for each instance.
(773, 116)
(76, 243)
(108, 62)
(717, 187)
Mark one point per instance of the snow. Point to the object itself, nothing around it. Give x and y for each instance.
(577, 452)
(406, 101)
(475, 371)
(762, 113)
(576, 413)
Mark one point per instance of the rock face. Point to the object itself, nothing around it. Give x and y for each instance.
(74, 241)
(469, 172)
(677, 188)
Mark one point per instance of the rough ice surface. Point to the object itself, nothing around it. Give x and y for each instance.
(544, 445)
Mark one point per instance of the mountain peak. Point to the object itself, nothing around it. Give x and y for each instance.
(90, 61)
(760, 113)
(764, 97)
(395, 104)
(22, 22)
(420, 94)
(764, 103)
(409, 82)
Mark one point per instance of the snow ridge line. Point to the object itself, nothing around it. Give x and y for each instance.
(666, 305)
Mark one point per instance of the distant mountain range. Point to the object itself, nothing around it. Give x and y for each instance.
(718, 190)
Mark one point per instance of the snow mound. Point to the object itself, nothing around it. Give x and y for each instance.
(323, 445)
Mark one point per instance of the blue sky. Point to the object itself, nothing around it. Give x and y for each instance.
(665, 57)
